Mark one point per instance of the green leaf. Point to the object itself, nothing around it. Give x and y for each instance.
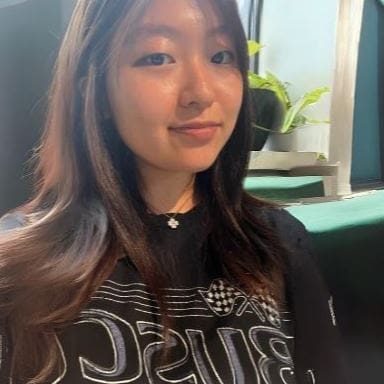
(280, 89)
(321, 156)
(272, 83)
(309, 98)
(317, 121)
(261, 128)
(299, 120)
(257, 81)
(254, 47)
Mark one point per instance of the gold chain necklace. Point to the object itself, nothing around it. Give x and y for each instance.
(172, 222)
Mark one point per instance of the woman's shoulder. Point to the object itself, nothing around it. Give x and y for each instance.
(290, 232)
(280, 220)
(279, 217)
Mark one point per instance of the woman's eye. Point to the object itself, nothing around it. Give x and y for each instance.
(223, 57)
(155, 59)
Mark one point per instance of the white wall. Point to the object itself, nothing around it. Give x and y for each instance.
(243, 10)
(300, 39)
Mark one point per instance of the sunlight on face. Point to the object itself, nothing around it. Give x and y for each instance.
(178, 89)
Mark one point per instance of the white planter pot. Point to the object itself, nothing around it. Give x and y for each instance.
(307, 139)
(282, 143)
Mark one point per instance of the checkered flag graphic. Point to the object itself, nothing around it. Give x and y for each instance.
(269, 307)
(223, 299)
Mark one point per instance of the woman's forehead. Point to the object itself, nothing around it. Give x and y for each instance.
(167, 15)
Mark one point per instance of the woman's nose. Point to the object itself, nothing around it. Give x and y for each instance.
(197, 88)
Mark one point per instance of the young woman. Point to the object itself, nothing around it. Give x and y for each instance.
(140, 259)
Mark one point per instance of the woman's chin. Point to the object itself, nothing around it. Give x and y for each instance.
(199, 166)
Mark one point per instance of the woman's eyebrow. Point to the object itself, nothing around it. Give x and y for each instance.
(220, 30)
(151, 30)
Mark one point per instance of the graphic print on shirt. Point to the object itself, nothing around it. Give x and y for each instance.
(222, 297)
(220, 335)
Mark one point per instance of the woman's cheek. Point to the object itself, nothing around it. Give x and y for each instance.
(157, 92)
(232, 84)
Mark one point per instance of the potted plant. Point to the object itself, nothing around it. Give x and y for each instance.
(288, 114)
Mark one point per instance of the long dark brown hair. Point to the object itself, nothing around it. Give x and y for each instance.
(86, 210)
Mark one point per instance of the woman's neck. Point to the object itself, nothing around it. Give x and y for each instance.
(164, 192)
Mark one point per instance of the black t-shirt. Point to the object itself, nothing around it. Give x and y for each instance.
(218, 334)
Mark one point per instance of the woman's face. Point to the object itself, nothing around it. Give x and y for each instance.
(177, 91)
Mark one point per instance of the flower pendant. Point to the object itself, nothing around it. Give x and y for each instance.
(173, 223)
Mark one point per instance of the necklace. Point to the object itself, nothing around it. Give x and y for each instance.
(172, 222)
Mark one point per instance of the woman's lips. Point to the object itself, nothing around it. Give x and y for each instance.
(199, 131)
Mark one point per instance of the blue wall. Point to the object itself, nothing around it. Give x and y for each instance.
(366, 155)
